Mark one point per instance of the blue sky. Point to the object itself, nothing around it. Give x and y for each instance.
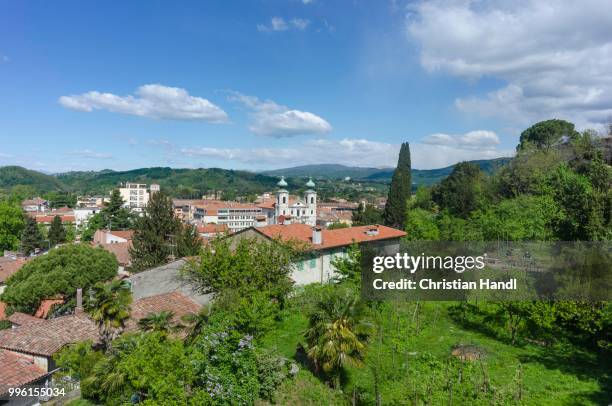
(267, 84)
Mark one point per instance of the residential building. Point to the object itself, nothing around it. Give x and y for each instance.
(212, 230)
(83, 213)
(135, 196)
(103, 236)
(91, 201)
(35, 205)
(8, 267)
(322, 246)
(47, 219)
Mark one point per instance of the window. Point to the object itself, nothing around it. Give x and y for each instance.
(284, 199)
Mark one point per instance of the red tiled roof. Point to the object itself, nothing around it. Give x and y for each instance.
(127, 234)
(175, 302)
(121, 251)
(212, 228)
(331, 238)
(49, 219)
(49, 336)
(2, 310)
(9, 266)
(22, 319)
(17, 370)
(45, 306)
(31, 202)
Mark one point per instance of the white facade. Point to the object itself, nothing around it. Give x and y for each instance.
(82, 214)
(302, 210)
(135, 196)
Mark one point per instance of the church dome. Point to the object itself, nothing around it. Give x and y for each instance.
(310, 183)
(282, 182)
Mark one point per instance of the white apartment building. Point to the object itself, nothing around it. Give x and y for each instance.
(135, 195)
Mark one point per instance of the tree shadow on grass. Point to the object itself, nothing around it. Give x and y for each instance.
(582, 364)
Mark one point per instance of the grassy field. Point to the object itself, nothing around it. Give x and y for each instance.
(410, 360)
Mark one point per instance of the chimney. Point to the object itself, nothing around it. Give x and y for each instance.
(372, 231)
(79, 301)
(317, 236)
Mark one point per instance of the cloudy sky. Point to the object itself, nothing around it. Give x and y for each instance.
(259, 84)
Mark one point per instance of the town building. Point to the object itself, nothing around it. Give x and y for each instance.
(136, 195)
(322, 246)
(83, 213)
(35, 205)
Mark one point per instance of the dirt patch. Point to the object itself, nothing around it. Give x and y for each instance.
(467, 352)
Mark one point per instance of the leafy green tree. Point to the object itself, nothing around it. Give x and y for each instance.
(250, 265)
(136, 369)
(77, 360)
(60, 272)
(57, 232)
(195, 323)
(109, 307)
(11, 225)
(188, 241)
(337, 226)
(545, 134)
(421, 225)
(528, 218)
(349, 267)
(336, 336)
(155, 234)
(251, 314)
(31, 238)
(367, 215)
(399, 190)
(94, 223)
(461, 192)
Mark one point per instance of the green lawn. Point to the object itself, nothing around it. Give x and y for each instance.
(412, 360)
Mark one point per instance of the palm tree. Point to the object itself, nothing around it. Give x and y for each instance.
(336, 336)
(195, 323)
(109, 307)
(160, 322)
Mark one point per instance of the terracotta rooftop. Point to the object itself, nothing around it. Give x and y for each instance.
(22, 319)
(175, 302)
(121, 250)
(127, 234)
(49, 219)
(17, 370)
(331, 238)
(9, 266)
(46, 305)
(212, 228)
(2, 310)
(31, 202)
(50, 336)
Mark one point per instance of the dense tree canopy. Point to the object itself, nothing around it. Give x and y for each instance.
(547, 133)
(11, 225)
(60, 272)
(461, 192)
(31, 237)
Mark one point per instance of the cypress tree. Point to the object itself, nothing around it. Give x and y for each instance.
(155, 234)
(31, 238)
(188, 241)
(399, 191)
(57, 232)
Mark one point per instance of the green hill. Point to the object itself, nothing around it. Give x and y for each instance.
(16, 175)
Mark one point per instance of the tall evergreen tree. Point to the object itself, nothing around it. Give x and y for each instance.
(155, 234)
(188, 241)
(31, 238)
(57, 232)
(399, 191)
(115, 215)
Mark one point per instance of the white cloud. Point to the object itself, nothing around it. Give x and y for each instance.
(279, 24)
(300, 23)
(479, 139)
(306, 1)
(165, 144)
(4, 59)
(348, 151)
(275, 120)
(554, 55)
(88, 153)
(152, 101)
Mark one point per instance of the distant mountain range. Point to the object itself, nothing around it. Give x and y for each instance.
(194, 182)
(419, 176)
